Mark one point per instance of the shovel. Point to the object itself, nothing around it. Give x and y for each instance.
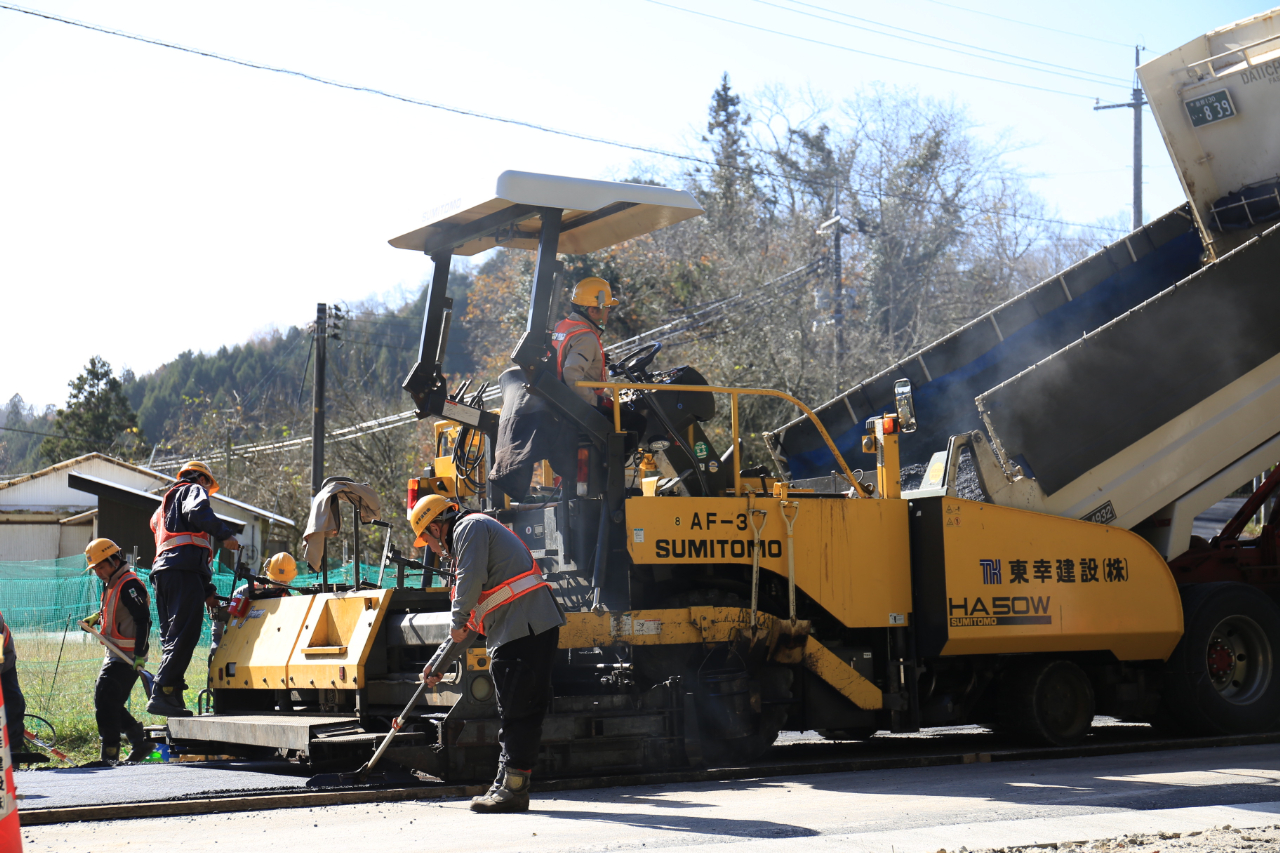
(445, 656)
(147, 678)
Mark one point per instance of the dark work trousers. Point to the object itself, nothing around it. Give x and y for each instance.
(115, 681)
(15, 708)
(521, 672)
(180, 605)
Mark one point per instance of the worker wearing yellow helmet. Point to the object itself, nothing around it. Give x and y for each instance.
(186, 531)
(499, 592)
(124, 619)
(579, 352)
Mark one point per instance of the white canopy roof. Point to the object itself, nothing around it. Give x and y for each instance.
(597, 214)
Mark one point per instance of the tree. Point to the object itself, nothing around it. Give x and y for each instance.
(98, 417)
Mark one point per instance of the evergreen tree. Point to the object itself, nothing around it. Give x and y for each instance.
(98, 417)
(730, 191)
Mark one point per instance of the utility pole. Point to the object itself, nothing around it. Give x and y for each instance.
(835, 226)
(317, 400)
(1136, 104)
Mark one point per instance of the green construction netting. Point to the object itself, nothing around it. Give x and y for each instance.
(39, 597)
(43, 600)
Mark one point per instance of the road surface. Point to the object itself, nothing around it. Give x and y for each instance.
(975, 806)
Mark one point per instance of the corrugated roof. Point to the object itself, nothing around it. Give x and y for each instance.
(164, 479)
(71, 463)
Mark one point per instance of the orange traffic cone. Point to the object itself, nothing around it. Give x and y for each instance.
(10, 832)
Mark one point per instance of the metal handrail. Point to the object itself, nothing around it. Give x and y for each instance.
(1242, 51)
(733, 393)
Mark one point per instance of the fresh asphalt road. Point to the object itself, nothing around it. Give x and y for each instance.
(925, 809)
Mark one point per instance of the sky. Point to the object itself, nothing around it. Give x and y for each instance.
(154, 201)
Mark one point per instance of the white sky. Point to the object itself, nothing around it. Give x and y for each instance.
(153, 201)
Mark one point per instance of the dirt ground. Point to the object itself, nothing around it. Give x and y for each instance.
(1224, 838)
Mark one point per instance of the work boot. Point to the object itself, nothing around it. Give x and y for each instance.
(142, 746)
(511, 796)
(108, 756)
(167, 702)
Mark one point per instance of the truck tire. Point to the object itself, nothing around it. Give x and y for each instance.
(1049, 702)
(1221, 678)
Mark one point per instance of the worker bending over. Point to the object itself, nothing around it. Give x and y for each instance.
(15, 704)
(185, 529)
(579, 352)
(499, 592)
(124, 620)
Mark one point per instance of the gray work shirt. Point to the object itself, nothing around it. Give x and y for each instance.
(486, 555)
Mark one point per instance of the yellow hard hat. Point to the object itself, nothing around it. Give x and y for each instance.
(282, 568)
(594, 292)
(425, 511)
(200, 468)
(100, 549)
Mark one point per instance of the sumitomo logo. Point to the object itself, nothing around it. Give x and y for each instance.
(990, 571)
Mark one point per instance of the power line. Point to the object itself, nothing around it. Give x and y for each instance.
(1028, 23)
(33, 432)
(1119, 82)
(689, 158)
(868, 53)
(349, 87)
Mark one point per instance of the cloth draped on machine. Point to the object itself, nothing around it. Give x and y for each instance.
(325, 521)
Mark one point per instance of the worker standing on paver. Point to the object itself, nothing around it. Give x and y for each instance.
(15, 704)
(125, 620)
(499, 592)
(185, 528)
(579, 352)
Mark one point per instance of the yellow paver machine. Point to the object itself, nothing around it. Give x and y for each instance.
(1006, 564)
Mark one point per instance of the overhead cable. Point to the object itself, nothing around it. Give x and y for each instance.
(1061, 70)
(644, 149)
(847, 49)
(1027, 23)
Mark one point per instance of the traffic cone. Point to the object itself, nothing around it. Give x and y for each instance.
(10, 832)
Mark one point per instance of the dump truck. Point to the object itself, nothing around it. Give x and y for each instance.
(1021, 558)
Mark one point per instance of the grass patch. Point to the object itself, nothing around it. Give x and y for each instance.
(66, 700)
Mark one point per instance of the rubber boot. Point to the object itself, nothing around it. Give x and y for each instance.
(494, 785)
(511, 796)
(167, 702)
(142, 746)
(108, 756)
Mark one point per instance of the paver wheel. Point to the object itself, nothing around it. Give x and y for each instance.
(742, 704)
(1050, 702)
(1221, 677)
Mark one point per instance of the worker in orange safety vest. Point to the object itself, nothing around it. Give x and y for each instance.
(186, 531)
(499, 592)
(125, 619)
(579, 352)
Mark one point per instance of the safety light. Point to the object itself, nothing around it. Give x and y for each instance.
(582, 471)
(414, 483)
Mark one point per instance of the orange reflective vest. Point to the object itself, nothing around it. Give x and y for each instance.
(166, 539)
(566, 329)
(503, 594)
(117, 625)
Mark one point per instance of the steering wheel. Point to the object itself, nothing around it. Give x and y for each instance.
(636, 360)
